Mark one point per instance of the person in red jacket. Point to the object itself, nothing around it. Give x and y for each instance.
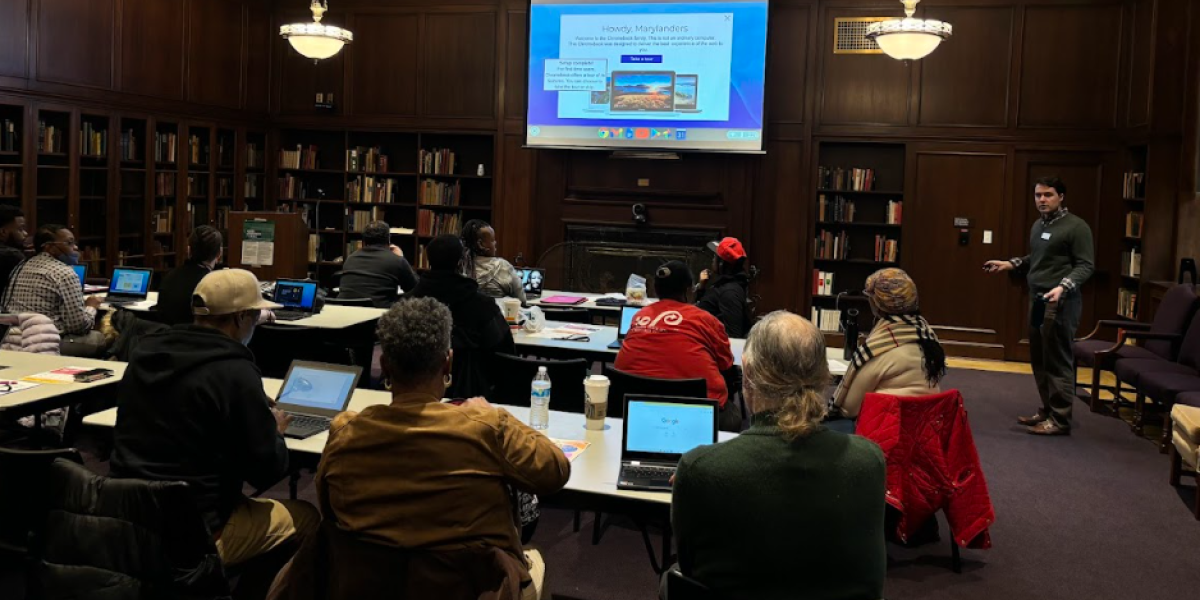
(673, 339)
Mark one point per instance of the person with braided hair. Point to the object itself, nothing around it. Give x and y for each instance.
(496, 277)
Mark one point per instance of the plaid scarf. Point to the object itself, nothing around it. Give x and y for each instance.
(892, 331)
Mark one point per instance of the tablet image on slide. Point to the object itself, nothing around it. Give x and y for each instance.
(686, 89)
(600, 100)
(643, 91)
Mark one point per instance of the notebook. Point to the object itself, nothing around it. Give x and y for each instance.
(658, 431)
(564, 300)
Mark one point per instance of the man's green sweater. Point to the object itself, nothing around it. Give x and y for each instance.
(760, 517)
(1060, 253)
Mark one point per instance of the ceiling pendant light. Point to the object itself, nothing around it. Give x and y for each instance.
(314, 40)
(908, 38)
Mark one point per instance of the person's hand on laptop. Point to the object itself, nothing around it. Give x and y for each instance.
(282, 419)
(93, 301)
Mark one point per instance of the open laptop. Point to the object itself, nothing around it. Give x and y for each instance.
(81, 273)
(627, 313)
(658, 431)
(533, 280)
(298, 298)
(313, 393)
(129, 285)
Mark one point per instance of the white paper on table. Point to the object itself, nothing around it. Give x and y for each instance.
(8, 386)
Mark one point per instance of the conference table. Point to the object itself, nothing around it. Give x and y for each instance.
(49, 396)
(589, 304)
(331, 317)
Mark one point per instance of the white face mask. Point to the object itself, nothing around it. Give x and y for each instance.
(249, 336)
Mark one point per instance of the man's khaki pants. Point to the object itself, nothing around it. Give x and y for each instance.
(258, 526)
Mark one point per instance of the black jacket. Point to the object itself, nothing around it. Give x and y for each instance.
(480, 330)
(725, 299)
(374, 272)
(10, 257)
(191, 408)
(175, 293)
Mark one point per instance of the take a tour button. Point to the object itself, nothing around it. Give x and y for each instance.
(641, 59)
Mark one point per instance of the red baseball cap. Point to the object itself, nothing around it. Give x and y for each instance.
(729, 249)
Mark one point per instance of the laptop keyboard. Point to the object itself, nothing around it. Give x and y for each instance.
(644, 472)
(303, 426)
(291, 315)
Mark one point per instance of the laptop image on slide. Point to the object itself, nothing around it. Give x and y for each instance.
(81, 273)
(658, 431)
(313, 393)
(128, 286)
(298, 298)
(533, 280)
(627, 313)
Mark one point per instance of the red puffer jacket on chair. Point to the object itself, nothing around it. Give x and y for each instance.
(931, 463)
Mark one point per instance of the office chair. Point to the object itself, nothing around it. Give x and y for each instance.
(514, 375)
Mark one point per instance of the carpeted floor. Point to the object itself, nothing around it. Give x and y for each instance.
(1086, 517)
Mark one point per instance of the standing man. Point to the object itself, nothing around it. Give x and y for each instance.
(1060, 260)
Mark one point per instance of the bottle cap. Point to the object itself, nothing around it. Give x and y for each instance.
(541, 369)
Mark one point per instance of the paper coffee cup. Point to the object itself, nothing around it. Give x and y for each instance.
(512, 310)
(596, 389)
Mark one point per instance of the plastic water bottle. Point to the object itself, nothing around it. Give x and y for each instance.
(539, 401)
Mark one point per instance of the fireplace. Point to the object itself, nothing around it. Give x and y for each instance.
(599, 259)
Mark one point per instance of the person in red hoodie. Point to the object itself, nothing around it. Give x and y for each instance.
(673, 339)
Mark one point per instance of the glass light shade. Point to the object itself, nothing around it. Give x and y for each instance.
(314, 40)
(908, 39)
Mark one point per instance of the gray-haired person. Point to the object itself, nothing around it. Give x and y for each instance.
(378, 270)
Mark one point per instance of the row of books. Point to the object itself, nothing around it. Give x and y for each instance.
(224, 187)
(250, 188)
(300, 158)
(439, 161)
(164, 184)
(831, 246)
(838, 210)
(895, 212)
(254, 156)
(10, 140)
(50, 138)
(353, 246)
(1133, 224)
(431, 223)
(1134, 186)
(369, 160)
(223, 217)
(129, 147)
(197, 151)
(165, 147)
(822, 283)
(92, 142)
(370, 189)
(164, 220)
(314, 242)
(422, 259)
(357, 220)
(853, 179)
(291, 188)
(1131, 263)
(437, 193)
(1127, 303)
(886, 249)
(197, 186)
(8, 183)
(827, 319)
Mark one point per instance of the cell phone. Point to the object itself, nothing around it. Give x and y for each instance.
(93, 375)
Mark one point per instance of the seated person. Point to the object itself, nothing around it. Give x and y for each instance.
(191, 408)
(377, 269)
(480, 330)
(673, 339)
(205, 248)
(12, 241)
(497, 277)
(810, 501)
(725, 295)
(46, 284)
(469, 455)
(901, 356)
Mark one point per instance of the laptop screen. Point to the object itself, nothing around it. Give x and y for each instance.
(664, 427)
(627, 313)
(81, 273)
(296, 294)
(313, 387)
(532, 279)
(130, 282)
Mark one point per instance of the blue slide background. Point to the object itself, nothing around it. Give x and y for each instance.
(328, 388)
(746, 74)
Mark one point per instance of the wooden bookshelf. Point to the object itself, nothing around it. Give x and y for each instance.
(12, 140)
(1133, 194)
(858, 212)
(353, 177)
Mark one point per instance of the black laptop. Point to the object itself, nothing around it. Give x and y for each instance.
(658, 431)
(313, 393)
(627, 313)
(533, 280)
(128, 286)
(298, 297)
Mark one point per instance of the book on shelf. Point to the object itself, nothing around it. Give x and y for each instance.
(822, 283)
(895, 212)
(353, 246)
(852, 180)
(1131, 263)
(439, 193)
(223, 217)
(91, 142)
(314, 241)
(439, 161)
(50, 138)
(165, 148)
(300, 158)
(224, 187)
(8, 183)
(368, 160)
(10, 141)
(1127, 303)
(1134, 186)
(828, 320)
(250, 187)
(838, 209)
(402, 231)
(431, 223)
(129, 146)
(357, 220)
(197, 151)
(371, 189)
(831, 246)
(291, 188)
(422, 260)
(1133, 224)
(197, 185)
(164, 184)
(253, 156)
(164, 220)
(886, 249)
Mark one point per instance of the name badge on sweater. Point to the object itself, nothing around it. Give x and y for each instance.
(1046, 235)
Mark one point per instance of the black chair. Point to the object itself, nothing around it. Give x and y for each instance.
(23, 477)
(515, 373)
(622, 384)
(276, 346)
(682, 587)
(572, 314)
(366, 302)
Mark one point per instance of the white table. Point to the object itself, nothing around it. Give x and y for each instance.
(331, 316)
(590, 304)
(48, 396)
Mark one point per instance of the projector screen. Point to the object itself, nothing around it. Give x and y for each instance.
(675, 76)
